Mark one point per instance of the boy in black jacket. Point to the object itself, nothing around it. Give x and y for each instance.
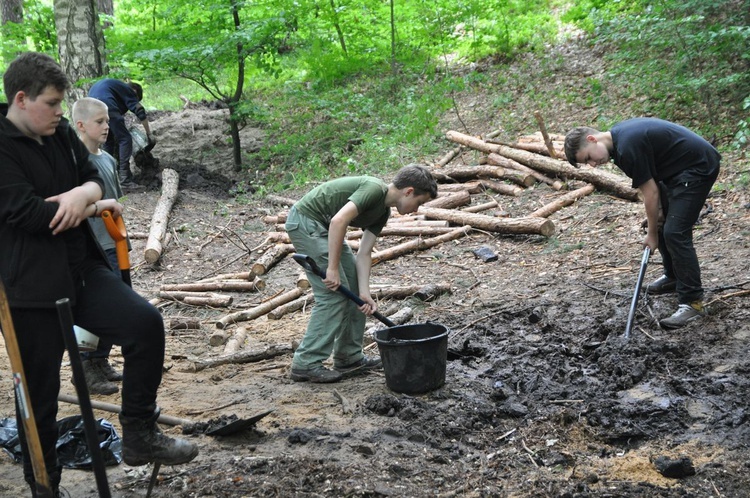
(48, 187)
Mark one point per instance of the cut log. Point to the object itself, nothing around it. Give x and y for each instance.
(451, 200)
(243, 275)
(280, 201)
(248, 356)
(472, 187)
(405, 218)
(528, 225)
(271, 257)
(184, 324)
(156, 235)
(537, 148)
(198, 298)
(220, 285)
(502, 188)
(236, 342)
(302, 281)
(562, 201)
(407, 231)
(474, 172)
(448, 157)
(113, 408)
(600, 179)
(421, 292)
(543, 130)
(253, 313)
(219, 338)
(481, 207)
(419, 244)
(273, 219)
(298, 304)
(399, 318)
(519, 177)
(499, 160)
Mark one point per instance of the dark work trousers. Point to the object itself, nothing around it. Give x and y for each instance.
(104, 348)
(682, 200)
(119, 143)
(110, 309)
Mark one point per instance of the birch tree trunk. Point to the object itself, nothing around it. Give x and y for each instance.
(80, 44)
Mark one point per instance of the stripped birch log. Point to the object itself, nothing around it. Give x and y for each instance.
(399, 318)
(258, 311)
(418, 244)
(158, 231)
(499, 160)
(562, 201)
(477, 208)
(529, 225)
(502, 188)
(451, 200)
(243, 275)
(472, 187)
(220, 285)
(406, 231)
(196, 298)
(236, 342)
(246, 356)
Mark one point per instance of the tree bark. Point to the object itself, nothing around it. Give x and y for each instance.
(249, 356)
(601, 179)
(236, 342)
(253, 313)
(472, 187)
(12, 11)
(448, 157)
(301, 302)
(406, 231)
(543, 130)
(451, 200)
(80, 43)
(198, 298)
(499, 160)
(481, 207)
(529, 225)
(562, 201)
(502, 188)
(220, 285)
(418, 244)
(271, 257)
(160, 219)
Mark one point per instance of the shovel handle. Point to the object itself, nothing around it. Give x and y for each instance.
(116, 229)
(638, 284)
(309, 264)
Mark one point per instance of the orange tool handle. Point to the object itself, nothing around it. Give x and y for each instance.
(116, 229)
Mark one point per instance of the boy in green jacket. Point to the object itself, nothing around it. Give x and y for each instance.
(317, 226)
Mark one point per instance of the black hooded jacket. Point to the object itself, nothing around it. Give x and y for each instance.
(38, 268)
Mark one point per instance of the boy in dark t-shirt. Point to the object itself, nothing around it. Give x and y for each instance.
(674, 169)
(317, 226)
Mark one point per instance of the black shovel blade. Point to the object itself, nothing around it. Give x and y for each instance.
(237, 425)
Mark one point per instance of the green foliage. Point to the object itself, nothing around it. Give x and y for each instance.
(742, 137)
(686, 61)
(37, 32)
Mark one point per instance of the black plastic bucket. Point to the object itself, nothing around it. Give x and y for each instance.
(414, 356)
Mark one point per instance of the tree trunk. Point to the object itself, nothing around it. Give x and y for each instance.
(271, 257)
(12, 11)
(451, 200)
(539, 226)
(80, 43)
(158, 231)
(253, 313)
(106, 7)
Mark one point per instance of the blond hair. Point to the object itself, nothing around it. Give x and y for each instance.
(84, 108)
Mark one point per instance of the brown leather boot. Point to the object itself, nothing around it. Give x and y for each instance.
(143, 442)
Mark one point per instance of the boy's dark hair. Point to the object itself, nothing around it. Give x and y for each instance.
(417, 177)
(575, 140)
(138, 89)
(32, 73)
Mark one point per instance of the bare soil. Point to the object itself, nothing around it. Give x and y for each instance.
(543, 395)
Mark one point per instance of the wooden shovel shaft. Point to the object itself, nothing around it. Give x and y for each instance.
(22, 397)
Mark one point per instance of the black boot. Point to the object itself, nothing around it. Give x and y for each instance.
(126, 178)
(143, 442)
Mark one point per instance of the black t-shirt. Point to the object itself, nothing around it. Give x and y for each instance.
(646, 148)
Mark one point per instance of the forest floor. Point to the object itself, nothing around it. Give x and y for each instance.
(543, 395)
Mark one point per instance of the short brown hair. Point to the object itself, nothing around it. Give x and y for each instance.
(32, 73)
(138, 89)
(575, 140)
(418, 177)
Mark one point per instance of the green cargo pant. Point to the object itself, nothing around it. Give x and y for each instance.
(336, 324)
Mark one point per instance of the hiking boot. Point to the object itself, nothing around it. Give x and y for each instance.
(95, 379)
(685, 314)
(662, 285)
(318, 374)
(143, 442)
(364, 363)
(109, 373)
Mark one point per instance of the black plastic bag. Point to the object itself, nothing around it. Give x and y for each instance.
(72, 450)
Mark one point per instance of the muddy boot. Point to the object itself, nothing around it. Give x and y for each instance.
(126, 179)
(109, 373)
(143, 442)
(95, 379)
